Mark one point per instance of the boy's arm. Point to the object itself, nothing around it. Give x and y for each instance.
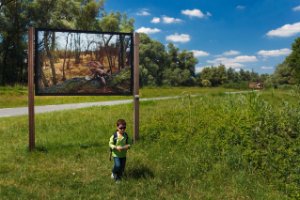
(111, 143)
(129, 143)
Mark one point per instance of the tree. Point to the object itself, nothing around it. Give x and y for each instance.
(293, 60)
(153, 60)
(288, 72)
(181, 67)
(284, 74)
(215, 75)
(206, 83)
(12, 45)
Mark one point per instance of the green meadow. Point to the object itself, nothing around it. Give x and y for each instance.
(212, 146)
(17, 96)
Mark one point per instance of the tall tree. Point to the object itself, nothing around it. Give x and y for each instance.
(284, 74)
(181, 67)
(293, 60)
(153, 58)
(12, 44)
(288, 72)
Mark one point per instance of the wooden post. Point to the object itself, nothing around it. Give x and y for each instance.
(136, 86)
(31, 89)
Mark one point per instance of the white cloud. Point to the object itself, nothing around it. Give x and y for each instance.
(285, 31)
(198, 53)
(240, 7)
(183, 38)
(148, 30)
(235, 62)
(195, 13)
(225, 61)
(266, 67)
(155, 20)
(297, 8)
(143, 12)
(274, 53)
(245, 59)
(170, 20)
(231, 53)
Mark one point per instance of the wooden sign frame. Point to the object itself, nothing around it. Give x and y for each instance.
(31, 87)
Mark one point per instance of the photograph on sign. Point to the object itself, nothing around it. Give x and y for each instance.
(69, 62)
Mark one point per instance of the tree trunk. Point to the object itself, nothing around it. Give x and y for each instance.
(121, 53)
(50, 57)
(42, 77)
(109, 59)
(65, 56)
(77, 48)
(107, 52)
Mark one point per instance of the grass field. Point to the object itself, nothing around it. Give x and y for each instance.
(17, 96)
(213, 146)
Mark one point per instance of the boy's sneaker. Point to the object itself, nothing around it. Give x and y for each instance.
(112, 176)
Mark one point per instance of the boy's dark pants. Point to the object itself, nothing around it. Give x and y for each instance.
(119, 167)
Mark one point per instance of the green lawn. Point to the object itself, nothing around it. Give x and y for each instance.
(212, 146)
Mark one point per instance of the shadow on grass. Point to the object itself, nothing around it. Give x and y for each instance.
(139, 172)
(41, 149)
(44, 149)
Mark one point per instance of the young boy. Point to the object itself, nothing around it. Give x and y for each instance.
(119, 143)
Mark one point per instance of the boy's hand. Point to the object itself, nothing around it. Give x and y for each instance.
(119, 148)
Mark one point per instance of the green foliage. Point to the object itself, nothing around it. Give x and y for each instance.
(293, 59)
(120, 79)
(228, 78)
(288, 72)
(159, 66)
(12, 44)
(283, 74)
(153, 58)
(205, 83)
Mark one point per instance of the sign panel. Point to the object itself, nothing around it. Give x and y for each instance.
(71, 62)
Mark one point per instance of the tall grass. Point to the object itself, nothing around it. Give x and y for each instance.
(207, 147)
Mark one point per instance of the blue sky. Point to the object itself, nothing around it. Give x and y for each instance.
(242, 34)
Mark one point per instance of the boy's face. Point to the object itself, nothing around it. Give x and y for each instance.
(121, 128)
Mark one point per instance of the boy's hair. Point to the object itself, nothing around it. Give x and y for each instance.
(121, 121)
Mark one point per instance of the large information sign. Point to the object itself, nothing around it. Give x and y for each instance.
(72, 62)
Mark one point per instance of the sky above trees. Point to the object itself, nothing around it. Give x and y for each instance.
(250, 34)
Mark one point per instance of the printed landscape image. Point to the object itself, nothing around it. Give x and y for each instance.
(83, 63)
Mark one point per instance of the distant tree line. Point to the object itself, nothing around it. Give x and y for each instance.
(221, 76)
(160, 65)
